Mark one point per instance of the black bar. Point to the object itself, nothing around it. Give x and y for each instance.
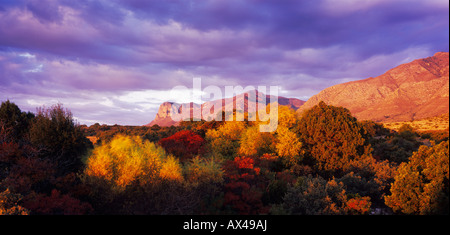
(225, 224)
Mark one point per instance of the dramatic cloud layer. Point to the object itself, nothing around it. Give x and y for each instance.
(114, 61)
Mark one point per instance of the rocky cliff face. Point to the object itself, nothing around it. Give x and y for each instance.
(411, 91)
(163, 117)
(252, 100)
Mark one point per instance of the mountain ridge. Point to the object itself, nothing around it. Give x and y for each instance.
(240, 102)
(410, 91)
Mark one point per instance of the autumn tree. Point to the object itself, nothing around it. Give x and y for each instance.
(127, 170)
(288, 146)
(287, 117)
(283, 141)
(255, 142)
(225, 141)
(183, 144)
(422, 185)
(245, 186)
(332, 138)
(127, 160)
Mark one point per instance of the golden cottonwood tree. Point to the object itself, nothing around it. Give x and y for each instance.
(285, 143)
(287, 117)
(288, 146)
(127, 160)
(225, 140)
(254, 142)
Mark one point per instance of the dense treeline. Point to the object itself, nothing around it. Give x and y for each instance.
(324, 162)
(40, 158)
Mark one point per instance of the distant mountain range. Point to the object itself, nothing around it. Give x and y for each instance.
(251, 100)
(411, 91)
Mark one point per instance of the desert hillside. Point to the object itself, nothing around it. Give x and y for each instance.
(411, 91)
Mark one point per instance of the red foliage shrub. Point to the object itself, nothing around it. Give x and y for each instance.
(245, 187)
(56, 203)
(183, 144)
(8, 151)
(28, 172)
(359, 205)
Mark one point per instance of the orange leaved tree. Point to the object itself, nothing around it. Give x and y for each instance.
(421, 185)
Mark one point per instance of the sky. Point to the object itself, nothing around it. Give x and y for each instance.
(115, 61)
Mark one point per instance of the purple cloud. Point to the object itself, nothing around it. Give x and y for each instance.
(97, 53)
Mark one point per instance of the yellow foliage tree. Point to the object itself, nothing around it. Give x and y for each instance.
(288, 146)
(253, 142)
(171, 170)
(127, 160)
(287, 117)
(225, 140)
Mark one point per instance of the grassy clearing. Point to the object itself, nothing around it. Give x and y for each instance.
(429, 124)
